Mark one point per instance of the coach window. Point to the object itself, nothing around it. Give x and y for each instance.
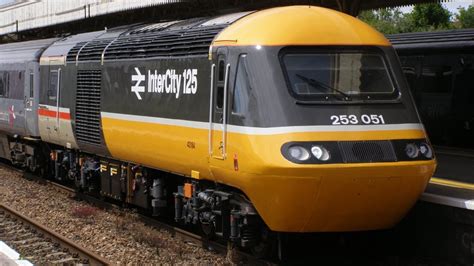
(16, 88)
(411, 66)
(4, 84)
(437, 74)
(32, 83)
(242, 88)
(462, 113)
(220, 83)
(53, 85)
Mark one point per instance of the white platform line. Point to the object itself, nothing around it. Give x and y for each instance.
(448, 201)
(13, 255)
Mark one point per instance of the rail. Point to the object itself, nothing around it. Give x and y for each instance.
(89, 256)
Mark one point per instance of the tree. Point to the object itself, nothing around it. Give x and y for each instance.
(386, 20)
(424, 17)
(429, 17)
(465, 17)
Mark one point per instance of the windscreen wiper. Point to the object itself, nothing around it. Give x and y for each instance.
(319, 84)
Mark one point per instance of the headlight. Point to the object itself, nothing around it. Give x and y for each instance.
(412, 150)
(425, 149)
(320, 153)
(299, 153)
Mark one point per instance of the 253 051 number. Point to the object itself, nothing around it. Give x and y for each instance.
(372, 119)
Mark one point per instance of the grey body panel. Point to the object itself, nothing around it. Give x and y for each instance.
(81, 55)
(270, 104)
(62, 47)
(23, 52)
(18, 109)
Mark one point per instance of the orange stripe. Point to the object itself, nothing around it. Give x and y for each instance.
(50, 113)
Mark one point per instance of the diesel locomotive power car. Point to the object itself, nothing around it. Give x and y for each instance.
(291, 119)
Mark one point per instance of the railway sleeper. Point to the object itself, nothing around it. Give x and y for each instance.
(65, 261)
(37, 244)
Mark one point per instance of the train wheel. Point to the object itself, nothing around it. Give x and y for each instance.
(43, 171)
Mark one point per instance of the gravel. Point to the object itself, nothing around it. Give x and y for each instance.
(115, 235)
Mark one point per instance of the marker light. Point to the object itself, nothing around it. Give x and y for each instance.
(412, 150)
(320, 153)
(299, 153)
(425, 149)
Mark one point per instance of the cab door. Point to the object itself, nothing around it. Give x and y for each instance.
(218, 106)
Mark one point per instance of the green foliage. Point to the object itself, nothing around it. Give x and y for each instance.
(424, 17)
(465, 18)
(388, 20)
(430, 17)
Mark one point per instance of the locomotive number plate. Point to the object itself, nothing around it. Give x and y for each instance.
(365, 119)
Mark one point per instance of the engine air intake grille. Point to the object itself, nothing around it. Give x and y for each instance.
(367, 151)
(163, 43)
(92, 51)
(71, 56)
(88, 107)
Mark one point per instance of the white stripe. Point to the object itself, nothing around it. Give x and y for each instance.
(261, 130)
(55, 108)
(294, 129)
(156, 120)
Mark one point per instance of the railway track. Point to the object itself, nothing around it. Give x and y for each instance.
(41, 245)
(227, 250)
(185, 236)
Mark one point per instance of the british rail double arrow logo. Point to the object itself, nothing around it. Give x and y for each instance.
(137, 88)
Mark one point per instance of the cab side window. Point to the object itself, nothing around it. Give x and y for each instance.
(32, 84)
(242, 88)
(220, 83)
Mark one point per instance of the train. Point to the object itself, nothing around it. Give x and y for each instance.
(439, 67)
(292, 119)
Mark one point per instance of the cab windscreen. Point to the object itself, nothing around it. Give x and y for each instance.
(338, 75)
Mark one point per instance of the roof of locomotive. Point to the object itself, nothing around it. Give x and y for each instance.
(294, 25)
(449, 39)
(23, 52)
(172, 38)
(300, 25)
(58, 51)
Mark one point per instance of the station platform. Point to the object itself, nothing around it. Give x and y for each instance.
(449, 193)
(441, 224)
(453, 182)
(9, 257)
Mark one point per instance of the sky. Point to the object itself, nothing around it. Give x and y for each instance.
(5, 1)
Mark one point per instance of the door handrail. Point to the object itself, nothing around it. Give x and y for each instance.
(58, 98)
(211, 108)
(224, 110)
